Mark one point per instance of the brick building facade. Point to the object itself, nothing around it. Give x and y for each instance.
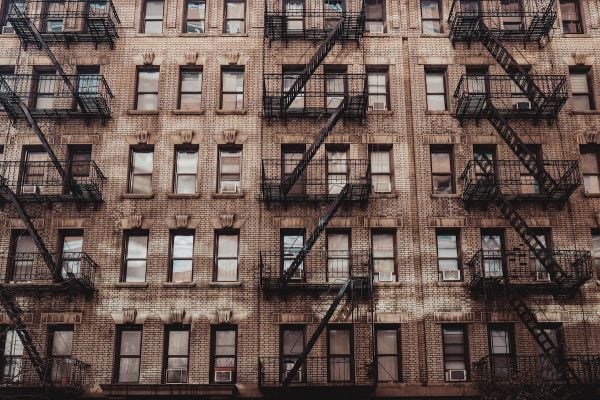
(437, 237)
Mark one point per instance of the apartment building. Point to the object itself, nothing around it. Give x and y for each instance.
(289, 198)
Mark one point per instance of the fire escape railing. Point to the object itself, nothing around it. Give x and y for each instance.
(476, 24)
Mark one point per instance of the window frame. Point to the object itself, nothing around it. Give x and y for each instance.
(590, 149)
(579, 25)
(224, 70)
(172, 234)
(397, 355)
(458, 258)
(213, 347)
(590, 88)
(379, 69)
(439, 20)
(383, 16)
(182, 71)
(512, 355)
(392, 233)
(216, 258)
(64, 233)
(350, 355)
(283, 355)
(331, 275)
(435, 149)
(227, 19)
(229, 149)
(466, 359)
(145, 69)
(186, 18)
(11, 360)
(38, 76)
(166, 341)
(176, 174)
(118, 341)
(595, 260)
(379, 149)
(52, 329)
(302, 267)
(145, 19)
(443, 71)
(124, 263)
(132, 174)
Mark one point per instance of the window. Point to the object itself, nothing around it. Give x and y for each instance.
(60, 349)
(431, 17)
(32, 179)
(383, 253)
(519, 99)
(224, 354)
(375, 16)
(195, 15)
(226, 257)
(147, 89)
(80, 162)
(232, 89)
(442, 170)
(435, 82)
(71, 254)
(512, 14)
(336, 82)
(230, 170)
(477, 80)
(590, 167)
(529, 184)
(555, 334)
(153, 16)
(294, 12)
(340, 360)
(492, 247)
(54, 14)
(389, 361)
(141, 165)
(292, 241)
(291, 156)
(136, 257)
(176, 353)
(486, 154)
(292, 344)
(7, 9)
(338, 256)
(377, 81)
(333, 10)
(182, 256)
(88, 82)
(448, 255)
(501, 339)
(381, 170)
(186, 170)
(25, 250)
(290, 74)
(544, 236)
(337, 170)
(7, 74)
(128, 354)
(235, 16)
(596, 250)
(571, 16)
(44, 92)
(583, 96)
(190, 89)
(12, 356)
(456, 361)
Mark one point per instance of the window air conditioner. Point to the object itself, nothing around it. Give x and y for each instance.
(8, 30)
(176, 375)
(385, 276)
(383, 187)
(456, 375)
(30, 189)
(522, 105)
(230, 187)
(223, 376)
(453, 275)
(376, 28)
(378, 106)
(542, 276)
(297, 377)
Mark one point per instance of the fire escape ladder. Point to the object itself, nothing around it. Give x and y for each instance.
(25, 27)
(527, 158)
(323, 221)
(14, 312)
(316, 60)
(290, 180)
(521, 78)
(315, 336)
(551, 351)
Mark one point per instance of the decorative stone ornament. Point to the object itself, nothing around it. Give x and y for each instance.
(187, 136)
(230, 135)
(591, 136)
(232, 57)
(149, 57)
(177, 316)
(580, 58)
(142, 137)
(135, 221)
(227, 220)
(224, 315)
(182, 220)
(191, 57)
(597, 218)
(129, 315)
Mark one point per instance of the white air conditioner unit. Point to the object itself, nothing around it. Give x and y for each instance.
(385, 276)
(30, 189)
(542, 276)
(383, 187)
(176, 375)
(223, 376)
(297, 376)
(522, 105)
(230, 187)
(453, 275)
(376, 28)
(8, 30)
(456, 375)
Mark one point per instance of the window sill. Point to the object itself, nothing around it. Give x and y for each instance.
(452, 283)
(592, 195)
(195, 35)
(142, 34)
(380, 112)
(576, 35)
(445, 196)
(131, 285)
(376, 34)
(438, 112)
(244, 34)
(225, 284)
(188, 112)
(183, 195)
(179, 284)
(143, 112)
(137, 195)
(228, 196)
(384, 195)
(434, 35)
(221, 111)
(590, 112)
(384, 284)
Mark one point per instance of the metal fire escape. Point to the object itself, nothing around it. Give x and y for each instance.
(470, 22)
(21, 16)
(279, 188)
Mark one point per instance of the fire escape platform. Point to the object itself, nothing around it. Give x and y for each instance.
(157, 390)
(312, 25)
